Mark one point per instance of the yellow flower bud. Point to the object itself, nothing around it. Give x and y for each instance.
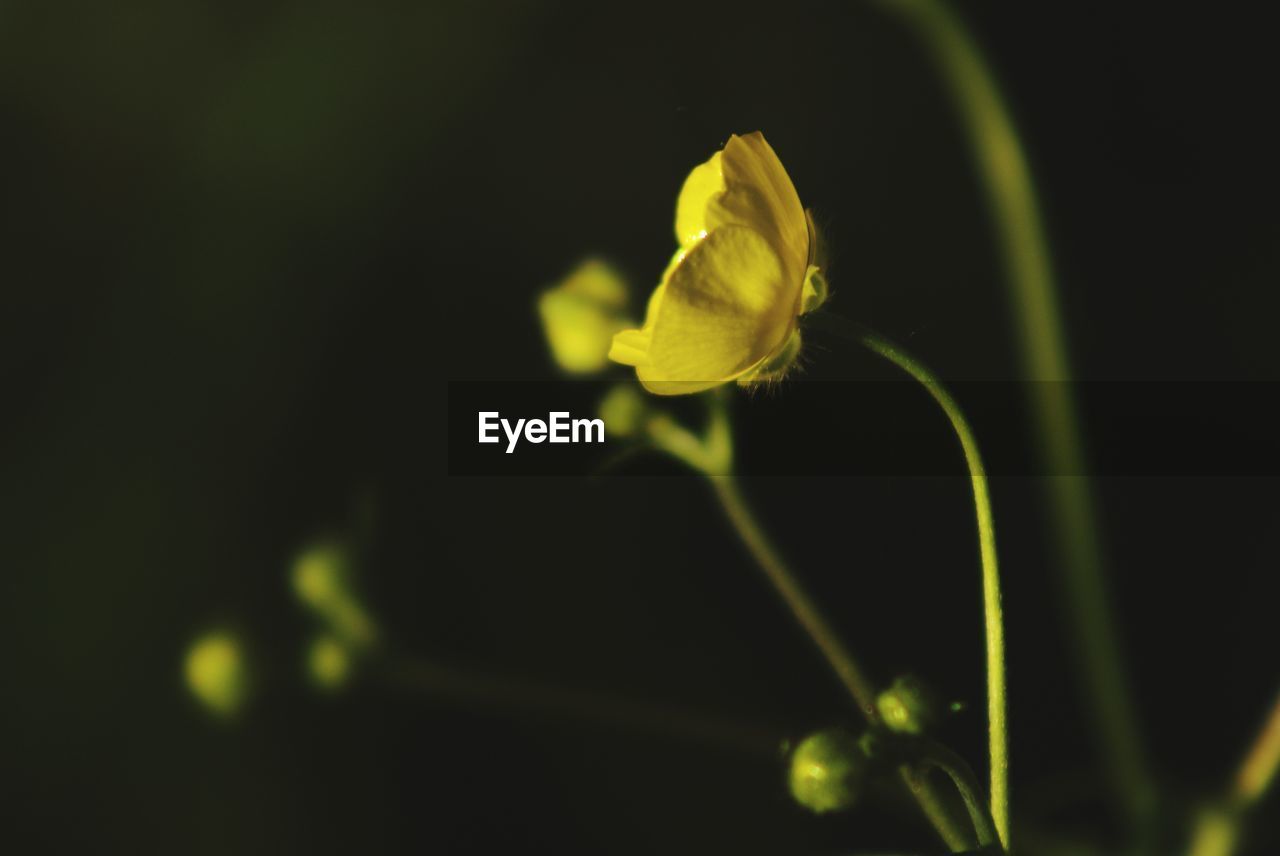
(827, 771)
(322, 581)
(581, 315)
(328, 663)
(622, 410)
(215, 672)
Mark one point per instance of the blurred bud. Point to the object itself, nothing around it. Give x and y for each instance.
(622, 410)
(908, 706)
(581, 314)
(322, 581)
(320, 574)
(827, 771)
(328, 663)
(215, 672)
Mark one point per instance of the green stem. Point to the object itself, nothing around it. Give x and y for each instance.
(940, 757)
(1218, 829)
(1011, 198)
(509, 694)
(993, 613)
(833, 650)
(802, 607)
(713, 458)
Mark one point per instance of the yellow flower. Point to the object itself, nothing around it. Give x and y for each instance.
(581, 314)
(728, 303)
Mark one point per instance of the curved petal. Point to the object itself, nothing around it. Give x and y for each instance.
(704, 183)
(759, 194)
(726, 306)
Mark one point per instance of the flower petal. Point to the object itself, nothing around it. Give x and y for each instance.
(759, 194)
(704, 183)
(726, 306)
(630, 347)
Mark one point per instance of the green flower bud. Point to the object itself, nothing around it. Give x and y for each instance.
(328, 663)
(321, 577)
(622, 410)
(908, 706)
(827, 771)
(581, 314)
(216, 674)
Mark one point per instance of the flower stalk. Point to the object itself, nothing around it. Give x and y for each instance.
(1218, 830)
(712, 458)
(993, 612)
(1024, 247)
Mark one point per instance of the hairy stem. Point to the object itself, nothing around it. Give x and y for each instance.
(993, 612)
(1023, 244)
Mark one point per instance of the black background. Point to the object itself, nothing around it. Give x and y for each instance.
(246, 245)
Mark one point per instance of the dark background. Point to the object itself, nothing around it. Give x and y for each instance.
(245, 246)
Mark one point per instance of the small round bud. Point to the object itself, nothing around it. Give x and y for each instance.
(328, 663)
(321, 577)
(215, 672)
(581, 314)
(908, 706)
(622, 410)
(320, 574)
(827, 771)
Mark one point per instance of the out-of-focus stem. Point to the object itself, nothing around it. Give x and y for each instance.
(1262, 761)
(508, 694)
(1024, 248)
(1218, 829)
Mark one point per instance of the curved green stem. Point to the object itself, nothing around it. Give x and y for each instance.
(1011, 198)
(940, 757)
(993, 613)
(1218, 829)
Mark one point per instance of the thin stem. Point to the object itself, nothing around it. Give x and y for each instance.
(1011, 198)
(1218, 829)
(802, 607)
(938, 756)
(713, 457)
(507, 694)
(993, 612)
(824, 636)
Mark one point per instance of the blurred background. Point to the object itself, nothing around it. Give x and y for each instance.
(246, 246)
